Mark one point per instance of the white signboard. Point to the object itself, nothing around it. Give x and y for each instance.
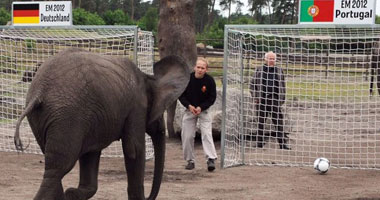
(355, 12)
(337, 11)
(42, 13)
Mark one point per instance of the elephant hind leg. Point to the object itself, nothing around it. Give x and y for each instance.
(57, 165)
(88, 184)
(51, 188)
(62, 150)
(170, 119)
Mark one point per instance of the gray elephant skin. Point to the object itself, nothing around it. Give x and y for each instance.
(80, 102)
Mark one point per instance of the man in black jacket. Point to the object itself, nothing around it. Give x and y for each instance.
(199, 95)
(268, 90)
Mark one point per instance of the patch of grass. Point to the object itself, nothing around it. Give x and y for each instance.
(314, 90)
(6, 121)
(216, 73)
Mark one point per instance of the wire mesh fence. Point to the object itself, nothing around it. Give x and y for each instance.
(331, 109)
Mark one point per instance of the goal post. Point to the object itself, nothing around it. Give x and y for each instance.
(332, 106)
(23, 49)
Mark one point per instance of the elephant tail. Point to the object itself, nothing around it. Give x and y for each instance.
(29, 108)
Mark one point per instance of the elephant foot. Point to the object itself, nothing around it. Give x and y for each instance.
(51, 188)
(74, 194)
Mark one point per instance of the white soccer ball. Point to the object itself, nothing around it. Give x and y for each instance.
(322, 165)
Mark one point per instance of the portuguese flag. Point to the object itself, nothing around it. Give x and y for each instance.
(26, 13)
(317, 11)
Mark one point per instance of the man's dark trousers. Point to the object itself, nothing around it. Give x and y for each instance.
(268, 106)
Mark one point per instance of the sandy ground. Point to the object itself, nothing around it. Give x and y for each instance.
(21, 175)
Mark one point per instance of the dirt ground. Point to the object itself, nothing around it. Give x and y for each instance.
(21, 175)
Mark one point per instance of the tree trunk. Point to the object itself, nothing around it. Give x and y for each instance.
(229, 11)
(269, 12)
(132, 10)
(176, 36)
(295, 12)
(211, 13)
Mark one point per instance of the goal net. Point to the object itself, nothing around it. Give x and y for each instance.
(332, 106)
(23, 49)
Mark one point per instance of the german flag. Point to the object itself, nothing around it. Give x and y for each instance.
(26, 13)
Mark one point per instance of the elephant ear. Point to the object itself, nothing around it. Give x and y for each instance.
(172, 75)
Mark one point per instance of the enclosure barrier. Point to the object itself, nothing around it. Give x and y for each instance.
(332, 108)
(23, 49)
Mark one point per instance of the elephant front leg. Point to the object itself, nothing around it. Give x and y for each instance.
(134, 157)
(88, 184)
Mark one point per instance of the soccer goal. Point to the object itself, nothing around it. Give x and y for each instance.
(23, 49)
(332, 106)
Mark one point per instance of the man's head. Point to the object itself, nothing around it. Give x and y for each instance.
(201, 67)
(270, 58)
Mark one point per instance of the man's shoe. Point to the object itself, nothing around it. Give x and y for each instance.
(190, 165)
(211, 165)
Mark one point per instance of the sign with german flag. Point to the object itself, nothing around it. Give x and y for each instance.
(42, 13)
(337, 11)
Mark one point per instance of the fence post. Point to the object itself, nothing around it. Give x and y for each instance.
(223, 133)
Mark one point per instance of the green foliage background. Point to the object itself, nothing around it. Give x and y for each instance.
(209, 23)
(5, 16)
(83, 17)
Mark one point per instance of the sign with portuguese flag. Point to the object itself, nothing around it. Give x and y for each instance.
(337, 11)
(42, 13)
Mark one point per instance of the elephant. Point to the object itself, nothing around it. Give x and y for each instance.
(80, 102)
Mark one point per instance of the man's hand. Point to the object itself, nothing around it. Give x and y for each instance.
(192, 109)
(195, 110)
(198, 110)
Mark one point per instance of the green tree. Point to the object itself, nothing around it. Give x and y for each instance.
(155, 3)
(83, 17)
(5, 16)
(212, 13)
(377, 19)
(142, 8)
(205, 14)
(149, 21)
(6, 4)
(214, 34)
(101, 7)
(113, 4)
(227, 5)
(239, 5)
(201, 15)
(88, 5)
(117, 17)
(242, 19)
(256, 8)
(283, 11)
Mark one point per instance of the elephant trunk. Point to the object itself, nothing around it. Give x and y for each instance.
(158, 140)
